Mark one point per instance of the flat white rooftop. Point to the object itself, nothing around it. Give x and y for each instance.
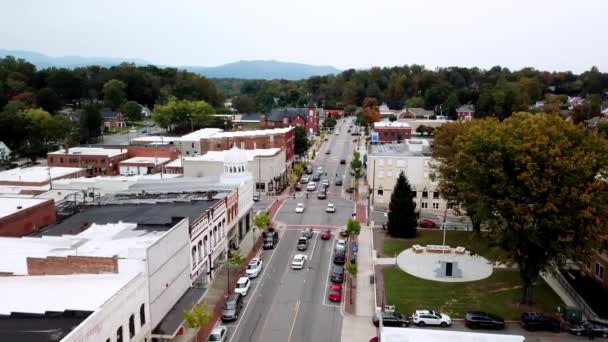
(175, 163)
(13, 205)
(396, 124)
(218, 156)
(36, 174)
(200, 134)
(145, 160)
(429, 335)
(90, 151)
(251, 133)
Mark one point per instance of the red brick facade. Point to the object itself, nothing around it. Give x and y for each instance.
(94, 164)
(29, 220)
(386, 134)
(307, 118)
(71, 265)
(277, 140)
(597, 269)
(163, 151)
(336, 113)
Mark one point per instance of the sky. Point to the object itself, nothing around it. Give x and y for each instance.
(544, 34)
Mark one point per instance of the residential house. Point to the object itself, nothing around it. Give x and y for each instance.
(386, 131)
(307, 118)
(385, 111)
(336, 113)
(465, 112)
(5, 152)
(415, 113)
(112, 119)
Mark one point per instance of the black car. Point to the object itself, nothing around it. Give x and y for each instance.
(593, 328)
(316, 177)
(479, 319)
(339, 257)
(338, 182)
(322, 194)
(533, 321)
(391, 319)
(232, 308)
(337, 274)
(270, 240)
(342, 161)
(328, 152)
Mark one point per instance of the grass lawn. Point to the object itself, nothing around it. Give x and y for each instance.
(472, 242)
(498, 294)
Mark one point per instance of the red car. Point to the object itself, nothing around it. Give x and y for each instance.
(335, 293)
(326, 235)
(426, 223)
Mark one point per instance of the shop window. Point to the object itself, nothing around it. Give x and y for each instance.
(380, 191)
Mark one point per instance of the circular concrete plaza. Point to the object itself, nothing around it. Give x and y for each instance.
(435, 266)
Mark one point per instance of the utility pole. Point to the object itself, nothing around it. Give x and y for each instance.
(445, 214)
(50, 178)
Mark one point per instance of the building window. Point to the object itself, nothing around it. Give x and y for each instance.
(380, 191)
(194, 255)
(131, 326)
(205, 245)
(425, 194)
(435, 205)
(424, 205)
(200, 252)
(435, 194)
(414, 194)
(389, 174)
(260, 187)
(142, 315)
(108, 340)
(599, 271)
(119, 334)
(380, 174)
(242, 145)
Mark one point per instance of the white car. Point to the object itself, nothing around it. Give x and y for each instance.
(298, 261)
(304, 179)
(340, 245)
(218, 334)
(242, 286)
(331, 208)
(430, 317)
(254, 267)
(312, 186)
(300, 208)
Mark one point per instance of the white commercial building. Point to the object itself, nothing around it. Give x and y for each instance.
(190, 144)
(142, 165)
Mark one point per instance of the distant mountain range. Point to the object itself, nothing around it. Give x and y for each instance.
(261, 69)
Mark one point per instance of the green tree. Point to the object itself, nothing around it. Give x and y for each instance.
(450, 107)
(90, 124)
(543, 182)
(602, 128)
(262, 220)
(352, 269)
(330, 122)
(48, 100)
(402, 217)
(198, 316)
(301, 141)
(350, 110)
(132, 110)
(114, 93)
(298, 169)
(353, 227)
(183, 111)
(244, 104)
(356, 168)
(234, 261)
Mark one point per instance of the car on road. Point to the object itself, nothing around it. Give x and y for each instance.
(312, 186)
(391, 319)
(309, 169)
(349, 189)
(322, 194)
(325, 183)
(298, 261)
(331, 208)
(270, 239)
(307, 233)
(242, 286)
(337, 132)
(340, 245)
(254, 267)
(429, 317)
(256, 197)
(328, 152)
(480, 319)
(589, 328)
(232, 308)
(338, 182)
(533, 321)
(218, 334)
(326, 235)
(302, 244)
(335, 293)
(427, 223)
(337, 274)
(342, 161)
(304, 180)
(340, 257)
(300, 208)
(320, 169)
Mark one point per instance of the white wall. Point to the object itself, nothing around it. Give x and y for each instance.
(198, 168)
(104, 323)
(133, 170)
(202, 229)
(169, 270)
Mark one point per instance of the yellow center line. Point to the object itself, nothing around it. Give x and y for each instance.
(293, 325)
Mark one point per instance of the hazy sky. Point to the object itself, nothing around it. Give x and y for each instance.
(546, 34)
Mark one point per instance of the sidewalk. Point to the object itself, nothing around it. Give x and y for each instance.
(557, 287)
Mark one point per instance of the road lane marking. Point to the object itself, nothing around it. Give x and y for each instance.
(331, 261)
(314, 245)
(293, 324)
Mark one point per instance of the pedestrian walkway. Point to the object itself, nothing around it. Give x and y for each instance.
(386, 261)
(558, 288)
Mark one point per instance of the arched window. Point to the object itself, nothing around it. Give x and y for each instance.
(205, 245)
(142, 315)
(215, 238)
(200, 252)
(211, 240)
(119, 334)
(131, 326)
(194, 255)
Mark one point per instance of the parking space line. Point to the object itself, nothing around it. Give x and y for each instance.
(327, 281)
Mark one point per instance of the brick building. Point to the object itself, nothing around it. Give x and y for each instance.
(153, 151)
(465, 112)
(36, 176)
(20, 216)
(96, 161)
(386, 131)
(142, 165)
(113, 119)
(307, 118)
(597, 268)
(336, 113)
(253, 140)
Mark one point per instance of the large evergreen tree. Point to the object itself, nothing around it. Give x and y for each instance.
(402, 217)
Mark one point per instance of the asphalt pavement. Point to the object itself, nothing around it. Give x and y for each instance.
(124, 138)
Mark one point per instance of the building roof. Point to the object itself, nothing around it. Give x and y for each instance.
(49, 327)
(37, 174)
(13, 205)
(249, 117)
(146, 160)
(200, 134)
(277, 114)
(108, 114)
(155, 139)
(251, 133)
(175, 163)
(90, 151)
(419, 112)
(223, 156)
(409, 148)
(396, 124)
(465, 108)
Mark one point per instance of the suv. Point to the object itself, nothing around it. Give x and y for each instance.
(340, 257)
(430, 317)
(478, 319)
(270, 239)
(391, 319)
(242, 286)
(337, 274)
(533, 321)
(302, 244)
(232, 308)
(307, 233)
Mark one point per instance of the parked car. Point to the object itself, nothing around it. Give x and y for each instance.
(340, 245)
(300, 208)
(242, 286)
(322, 194)
(270, 239)
(326, 235)
(307, 233)
(331, 208)
(335, 293)
(218, 334)
(320, 169)
(342, 161)
(309, 169)
(533, 321)
(298, 261)
(479, 319)
(232, 308)
(254, 267)
(430, 317)
(312, 186)
(427, 223)
(316, 177)
(325, 183)
(304, 180)
(349, 189)
(338, 182)
(302, 244)
(391, 319)
(256, 197)
(340, 257)
(328, 152)
(337, 274)
(593, 328)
